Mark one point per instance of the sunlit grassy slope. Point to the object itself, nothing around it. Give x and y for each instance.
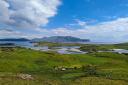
(112, 68)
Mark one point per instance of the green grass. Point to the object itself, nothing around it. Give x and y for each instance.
(112, 68)
(52, 44)
(95, 46)
(103, 47)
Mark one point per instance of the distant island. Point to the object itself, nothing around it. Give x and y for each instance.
(60, 39)
(14, 39)
(52, 39)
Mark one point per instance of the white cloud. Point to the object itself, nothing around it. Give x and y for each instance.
(27, 13)
(4, 12)
(81, 23)
(4, 33)
(116, 31)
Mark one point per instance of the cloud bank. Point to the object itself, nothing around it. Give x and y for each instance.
(27, 13)
(115, 31)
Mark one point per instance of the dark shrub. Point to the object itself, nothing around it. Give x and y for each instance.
(90, 70)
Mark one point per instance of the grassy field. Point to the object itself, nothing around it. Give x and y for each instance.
(97, 46)
(103, 47)
(122, 45)
(47, 68)
(52, 44)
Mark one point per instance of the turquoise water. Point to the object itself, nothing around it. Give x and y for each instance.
(19, 43)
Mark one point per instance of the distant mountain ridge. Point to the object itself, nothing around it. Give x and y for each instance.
(14, 39)
(60, 39)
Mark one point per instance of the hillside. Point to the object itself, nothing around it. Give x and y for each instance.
(47, 68)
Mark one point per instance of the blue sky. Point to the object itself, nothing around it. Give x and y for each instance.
(98, 20)
(85, 10)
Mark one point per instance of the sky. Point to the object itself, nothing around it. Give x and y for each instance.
(97, 20)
